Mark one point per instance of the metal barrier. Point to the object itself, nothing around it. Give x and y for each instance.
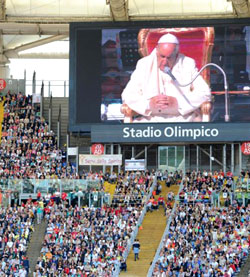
(57, 88)
(135, 232)
(29, 187)
(216, 199)
(150, 271)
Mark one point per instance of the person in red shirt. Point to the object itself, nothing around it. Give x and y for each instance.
(221, 173)
(46, 210)
(64, 196)
(29, 201)
(161, 200)
(56, 230)
(155, 205)
(66, 270)
(38, 196)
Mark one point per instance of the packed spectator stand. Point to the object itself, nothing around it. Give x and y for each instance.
(202, 239)
(205, 241)
(16, 227)
(85, 240)
(206, 187)
(88, 240)
(28, 147)
(132, 190)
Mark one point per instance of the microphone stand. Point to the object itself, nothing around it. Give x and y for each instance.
(227, 117)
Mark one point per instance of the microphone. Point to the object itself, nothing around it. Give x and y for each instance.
(167, 70)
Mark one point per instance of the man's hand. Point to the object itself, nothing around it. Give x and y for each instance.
(165, 104)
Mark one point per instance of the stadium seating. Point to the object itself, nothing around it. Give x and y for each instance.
(203, 238)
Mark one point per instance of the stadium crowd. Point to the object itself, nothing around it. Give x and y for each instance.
(206, 187)
(85, 240)
(204, 240)
(28, 148)
(16, 226)
(92, 241)
(132, 189)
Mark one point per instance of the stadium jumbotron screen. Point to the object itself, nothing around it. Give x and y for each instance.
(126, 74)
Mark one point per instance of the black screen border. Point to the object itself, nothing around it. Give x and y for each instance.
(76, 127)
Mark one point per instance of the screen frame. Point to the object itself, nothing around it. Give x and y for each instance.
(76, 127)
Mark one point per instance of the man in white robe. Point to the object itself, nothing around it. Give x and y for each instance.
(155, 96)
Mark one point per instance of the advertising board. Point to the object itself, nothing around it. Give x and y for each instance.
(134, 165)
(100, 159)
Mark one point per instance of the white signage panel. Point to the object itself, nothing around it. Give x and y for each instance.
(72, 151)
(134, 165)
(36, 98)
(100, 159)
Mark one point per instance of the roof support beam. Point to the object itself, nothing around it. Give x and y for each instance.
(38, 55)
(118, 9)
(241, 7)
(55, 19)
(13, 53)
(3, 58)
(2, 9)
(11, 28)
(51, 21)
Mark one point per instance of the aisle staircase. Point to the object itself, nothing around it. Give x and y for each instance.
(245, 269)
(56, 103)
(35, 245)
(150, 234)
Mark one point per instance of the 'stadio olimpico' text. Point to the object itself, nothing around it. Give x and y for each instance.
(177, 131)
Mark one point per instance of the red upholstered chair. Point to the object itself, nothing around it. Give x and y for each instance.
(196, 43)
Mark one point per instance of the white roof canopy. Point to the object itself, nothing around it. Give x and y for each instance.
(82, 10)
(25, 24)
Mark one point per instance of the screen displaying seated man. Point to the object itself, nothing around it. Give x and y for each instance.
(152, 92)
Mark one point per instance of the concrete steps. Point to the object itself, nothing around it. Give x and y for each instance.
(56, 102)
(150, 235)
(80, 141)
(35, 245)
(245, 270)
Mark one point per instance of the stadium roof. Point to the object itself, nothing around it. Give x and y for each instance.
(25, 24)
(64, 11)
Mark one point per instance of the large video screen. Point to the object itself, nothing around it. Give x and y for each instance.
(139, 74)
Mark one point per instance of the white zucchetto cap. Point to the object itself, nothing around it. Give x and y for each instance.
(168, 38)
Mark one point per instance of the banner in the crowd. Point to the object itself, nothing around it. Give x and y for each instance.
(133, 165)
(171, 132)
(100, 159)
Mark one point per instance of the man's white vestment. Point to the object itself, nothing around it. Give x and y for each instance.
(148, 81)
